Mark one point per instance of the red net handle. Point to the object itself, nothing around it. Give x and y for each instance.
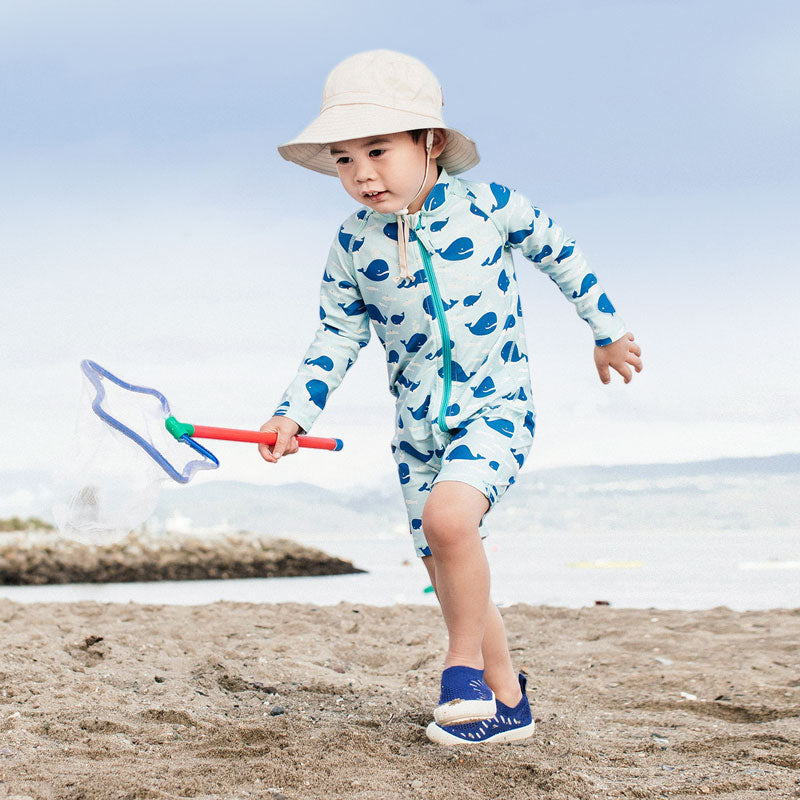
(263, 437)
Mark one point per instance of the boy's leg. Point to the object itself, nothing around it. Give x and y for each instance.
(498, 671)
(450, 521)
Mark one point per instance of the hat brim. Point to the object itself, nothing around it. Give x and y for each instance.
(343, 122)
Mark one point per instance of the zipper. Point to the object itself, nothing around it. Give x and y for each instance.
(443, 330)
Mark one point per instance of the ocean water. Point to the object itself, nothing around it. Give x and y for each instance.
(685, 536)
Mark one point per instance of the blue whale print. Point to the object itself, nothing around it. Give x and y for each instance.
(510, 322)
(483, 325)
(323, 362)
(542, 254)
(510, 352)
(458, 250)
(436, 196)
(414, 344)
(529, 423)
(345, 240)
(456, 373)
(453, 409)
(484, 388)
(417, 278)
(393, 357)
(503, 282)
(317, 392)
(422, 411)
(588, 281)
(438, 353)
(390, 230)
(326, 277)
(397, 319)
(378, 270)
(428, 307)
(517, 237)
(605, 305)
(322, 313)
(439, 224)
(518, 456)
(410, 385)
(416, 524)
(425, 551)
(403, 472)
(603, 342)
(375, 314)
(501, 196)
(494, 259)
(502, 426)
(462, 452)
(495, 465)
(354, 308)
(477, 212)
(566, 252)
(471, 299)
(346, 285)
(412, 451)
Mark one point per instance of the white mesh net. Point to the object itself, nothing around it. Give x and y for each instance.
(111, 481)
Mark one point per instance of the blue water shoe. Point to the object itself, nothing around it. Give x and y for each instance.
(465, 697)
(507, 725)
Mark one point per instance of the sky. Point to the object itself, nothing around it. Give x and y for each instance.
(148, 222)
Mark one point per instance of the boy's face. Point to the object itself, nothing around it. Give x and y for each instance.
(383, 172)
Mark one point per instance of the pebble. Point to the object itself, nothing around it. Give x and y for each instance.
(277, 711)
(687, 696)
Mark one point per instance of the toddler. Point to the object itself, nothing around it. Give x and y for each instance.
(426, 264)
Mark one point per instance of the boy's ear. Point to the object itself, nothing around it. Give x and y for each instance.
(439, 141)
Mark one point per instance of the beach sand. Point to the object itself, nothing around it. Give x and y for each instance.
(269, 701)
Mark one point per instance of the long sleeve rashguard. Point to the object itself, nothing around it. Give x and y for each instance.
(452, 332)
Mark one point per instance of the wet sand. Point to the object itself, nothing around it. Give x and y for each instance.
(229, 701)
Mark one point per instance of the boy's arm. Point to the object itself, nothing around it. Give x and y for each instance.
(344, 330)
(544, 243)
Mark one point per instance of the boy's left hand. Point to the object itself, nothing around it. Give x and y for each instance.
(618, 355)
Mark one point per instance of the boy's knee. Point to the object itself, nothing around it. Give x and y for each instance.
(445, 526)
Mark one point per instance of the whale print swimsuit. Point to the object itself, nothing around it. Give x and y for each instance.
(451, 326)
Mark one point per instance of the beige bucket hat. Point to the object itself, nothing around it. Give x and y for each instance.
(373, 93)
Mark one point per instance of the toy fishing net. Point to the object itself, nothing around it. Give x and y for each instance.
(121, 455)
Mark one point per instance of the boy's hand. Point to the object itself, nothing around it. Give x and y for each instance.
(285, 445)
(618, 355)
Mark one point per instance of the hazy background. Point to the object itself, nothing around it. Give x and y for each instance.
(147, 221)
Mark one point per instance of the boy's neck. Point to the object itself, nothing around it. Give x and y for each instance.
(433, 177)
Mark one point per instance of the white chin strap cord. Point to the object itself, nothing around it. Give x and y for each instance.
(403, 224)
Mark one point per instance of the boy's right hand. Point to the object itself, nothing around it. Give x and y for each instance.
(285, 444)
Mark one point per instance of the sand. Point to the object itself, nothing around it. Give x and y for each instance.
(293, 701)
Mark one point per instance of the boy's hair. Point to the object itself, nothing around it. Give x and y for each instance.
(415, 135)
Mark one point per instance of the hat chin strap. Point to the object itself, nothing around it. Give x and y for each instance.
(403, 224)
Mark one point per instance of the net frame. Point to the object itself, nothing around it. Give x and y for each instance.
(95, 373)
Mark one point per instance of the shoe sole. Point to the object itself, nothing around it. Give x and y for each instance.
(439, 736)
(459, 712)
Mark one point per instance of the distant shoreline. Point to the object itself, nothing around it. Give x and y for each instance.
(45, 558)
